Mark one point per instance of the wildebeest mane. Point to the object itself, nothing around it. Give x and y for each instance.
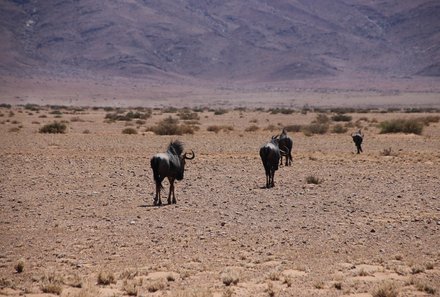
(175, 147)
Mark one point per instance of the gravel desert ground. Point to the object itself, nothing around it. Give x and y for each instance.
(77, 215)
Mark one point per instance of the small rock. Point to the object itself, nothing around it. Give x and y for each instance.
(132, 222)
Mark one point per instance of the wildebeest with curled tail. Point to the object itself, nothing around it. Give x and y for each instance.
(270, 156)
(170, 164)
(358, 137)
(286, 144)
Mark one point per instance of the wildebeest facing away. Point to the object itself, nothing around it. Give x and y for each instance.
(358, 137)
(170, 164)
(286, 144)
(270, 156)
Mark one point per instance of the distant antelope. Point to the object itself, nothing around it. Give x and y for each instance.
(286, 144)
(358, 137)
(270, 154)
(171, 165)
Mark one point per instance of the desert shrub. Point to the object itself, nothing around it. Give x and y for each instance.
(4, 105)
(217, 128)
(131, 287)
(321, 119)
(169, 110)
(52, 284)
(311, 179)
(401, 126)
(386, 152)
(170, 126)
(252, 128)
(386, 290)
(195, 292)
(220, 111)
(315, 129)
(129, 131)
(19, 267)
(106, 278)
(33, 107)
(116, 116)
(230, 277)
(428, 120)
(339, 129)
(140, 122)
(76, 119)
(156, 285)
(271, 128)
(293, 128)
(53, 128)
(56, 112)
(340, 117)
(186, 114)
(14, 129)
(281, 110)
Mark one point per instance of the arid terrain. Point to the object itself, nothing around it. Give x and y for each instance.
(77, 215)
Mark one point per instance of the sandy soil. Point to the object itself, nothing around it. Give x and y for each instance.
(79, 205)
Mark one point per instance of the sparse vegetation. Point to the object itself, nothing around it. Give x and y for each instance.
(186, 114)
(321, 119)
(220, 111)
(252, 128)
(170, 126)
(216, 128)
(315, 128)
(340, 117)
(339, 129)
(54, 128)
(129, 131)
(156, 285)
(293, 128)
(230, 277)
(129, 116)
(386, 289)
(19, 267)
(106, 278)
(52, 284)
(387, 152)
(401, 126)
(281, 110)
(311, 179)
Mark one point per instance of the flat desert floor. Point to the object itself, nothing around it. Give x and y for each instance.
(77, 214)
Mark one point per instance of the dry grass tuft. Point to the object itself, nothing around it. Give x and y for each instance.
(230, 277)
(311, 179)
(216, 128)
(106, 278)
(52, 283)
(402, 126)
(386, 289)
(195, 292)
(129, 131)
(19, 266)
(252, 128)
(54, 128)
(156, 285)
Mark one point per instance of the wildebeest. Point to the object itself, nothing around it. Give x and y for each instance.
(358, 137)
(270, 156)
(286, 144)
(170, 164)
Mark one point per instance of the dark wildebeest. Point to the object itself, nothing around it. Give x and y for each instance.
(270, 156)
(286, 144)
(170, 164)
(357, 138)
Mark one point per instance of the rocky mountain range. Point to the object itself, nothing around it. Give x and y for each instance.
(228, 40)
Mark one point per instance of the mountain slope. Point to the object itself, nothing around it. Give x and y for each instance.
(255, 40)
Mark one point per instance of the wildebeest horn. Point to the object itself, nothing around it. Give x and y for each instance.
(189, 158)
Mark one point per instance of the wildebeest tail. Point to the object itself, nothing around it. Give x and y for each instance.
(155, 166)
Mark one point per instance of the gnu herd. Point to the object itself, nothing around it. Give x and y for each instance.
(171, 164)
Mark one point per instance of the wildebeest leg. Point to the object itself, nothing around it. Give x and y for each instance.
(157, 200)
(171, 180)
(272, 175)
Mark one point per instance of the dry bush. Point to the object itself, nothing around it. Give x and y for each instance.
(195, 292)
(423, 286)
(131, 287)
(19, 266)
(129, 131)
(270, 289)
(156, 285)
(52, 283)
(386, 289)
(387, 152)
(281, 110)
(216, 128)
(315, 128)
(271, 128)
(88, 291)
(170, 126)
(106, 278)
(117, 116)
(220, 111)
(14, 129)
(54, 128)
(311, 179)
(401, 126)
(230, 277)
(76, 119)
(186, 114)
(339, 129)
(293, 128)
(321, 119)
(341, 118)
(417, 269)
(252, 128)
